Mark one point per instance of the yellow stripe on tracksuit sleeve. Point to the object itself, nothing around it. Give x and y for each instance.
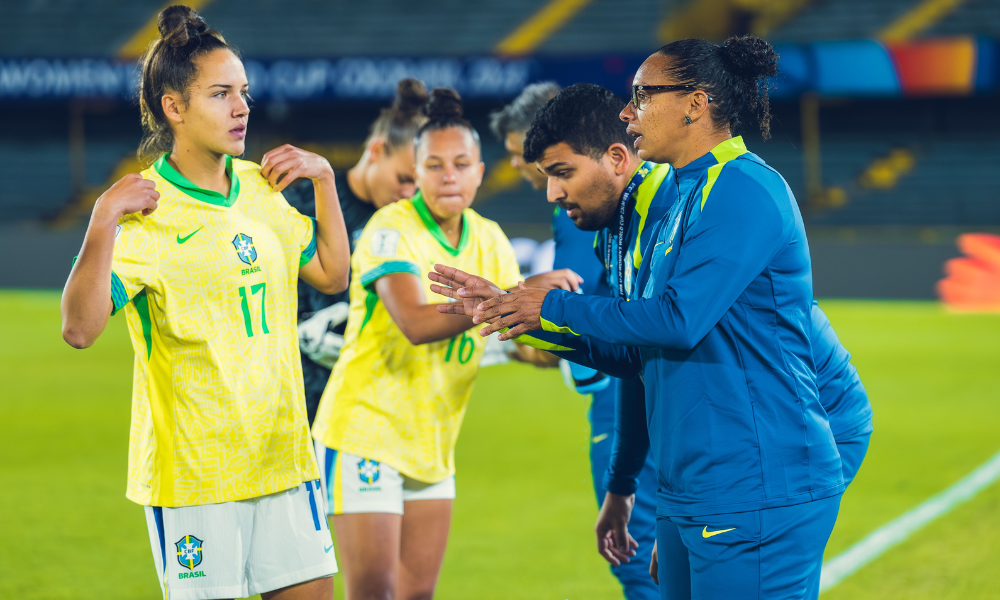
(724, 152)
(538, 344)
(643, 198)
(338, 488)
(553, 328)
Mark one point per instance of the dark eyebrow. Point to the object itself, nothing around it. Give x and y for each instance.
(553, 167)
(226, 86)
(441, 158)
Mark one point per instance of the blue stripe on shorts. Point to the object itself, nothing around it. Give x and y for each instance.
(158, 517)
(312, 505)
(329, 465)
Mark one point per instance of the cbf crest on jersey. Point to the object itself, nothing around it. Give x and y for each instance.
(189, 552)
(368, 470)
(244, 248)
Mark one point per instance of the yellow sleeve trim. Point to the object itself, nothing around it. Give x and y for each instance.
(553, 328)
(538, 344)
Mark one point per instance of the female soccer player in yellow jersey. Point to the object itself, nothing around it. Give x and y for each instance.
(383, 175)
(389, 418)
(203, 253)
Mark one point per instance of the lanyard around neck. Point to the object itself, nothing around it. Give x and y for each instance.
(623, 204)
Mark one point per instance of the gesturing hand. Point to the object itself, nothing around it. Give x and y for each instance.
(293, 163)
(520, 310)
(469, 290)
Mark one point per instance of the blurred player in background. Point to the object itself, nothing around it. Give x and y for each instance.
(584, 120)
(509, 126)
(389, 419)
(383, 175)
(203, 253)
(511, 123)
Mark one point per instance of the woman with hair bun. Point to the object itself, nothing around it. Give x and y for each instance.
(750, 491)
(203, 253)
(719, 325)
(383, 175)
(390, 416)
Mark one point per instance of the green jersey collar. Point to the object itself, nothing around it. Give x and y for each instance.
(168, 172)
(435, 229)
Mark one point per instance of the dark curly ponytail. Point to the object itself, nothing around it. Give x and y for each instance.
(736, 75)
(169, 66)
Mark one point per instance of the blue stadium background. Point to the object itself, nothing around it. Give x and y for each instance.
(890, 160)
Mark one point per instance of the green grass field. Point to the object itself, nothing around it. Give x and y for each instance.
(525, 509)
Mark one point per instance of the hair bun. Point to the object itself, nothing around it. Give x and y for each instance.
(445, 104)
(411, 97)
(178, 24)
(750, 57)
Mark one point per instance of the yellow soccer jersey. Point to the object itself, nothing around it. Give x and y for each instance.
(387, 399)
(208, 284)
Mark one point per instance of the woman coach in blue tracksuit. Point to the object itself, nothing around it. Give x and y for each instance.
(749, 474)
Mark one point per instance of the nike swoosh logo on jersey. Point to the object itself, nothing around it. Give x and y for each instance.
(181, 240)
(599, 438)
(705, 533)
(327, 550)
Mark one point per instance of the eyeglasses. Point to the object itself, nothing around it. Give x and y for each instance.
(641, 93)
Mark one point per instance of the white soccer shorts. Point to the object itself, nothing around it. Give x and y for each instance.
(238, 549)
(353, 484)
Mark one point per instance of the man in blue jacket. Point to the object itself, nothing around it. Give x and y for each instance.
(588, 167)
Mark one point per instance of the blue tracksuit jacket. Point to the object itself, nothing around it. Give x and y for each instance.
(574, 250)
(841, 393)
(719, 326)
